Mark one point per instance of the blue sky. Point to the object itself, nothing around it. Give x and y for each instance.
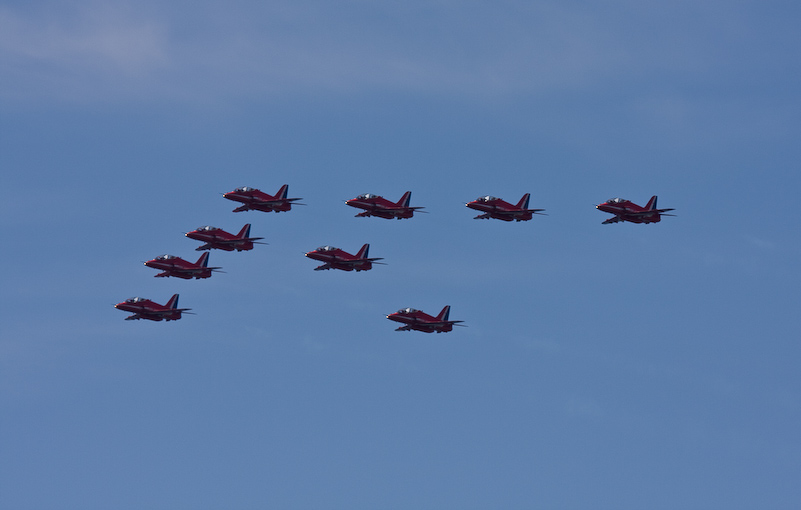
(603, 366)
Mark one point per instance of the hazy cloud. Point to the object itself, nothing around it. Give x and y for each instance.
(205, 51)
(85, 52)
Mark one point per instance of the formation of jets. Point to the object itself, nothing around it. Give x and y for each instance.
(336, 258)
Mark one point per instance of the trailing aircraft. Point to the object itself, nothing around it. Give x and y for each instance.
(218, 238)
(180, 268)
(501, 210)
(146, 309)
(625, 210)
(255, 199)
(376, 205)
(421, 321)
(336, 258)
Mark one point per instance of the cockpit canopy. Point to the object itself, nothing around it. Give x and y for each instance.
(207, 228)
(135, 300)
(407, 310)
(245, 189)
(616, 201)
(487, 198)
(326, 248)
(367, 196)
(165, 257)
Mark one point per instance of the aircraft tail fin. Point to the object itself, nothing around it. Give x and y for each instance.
(173, 302)
(282, 192)
(444, 314)
(404, 201)
(651, 205)
(523, 204)
(203, 261)
(363, 252)
(245, 232)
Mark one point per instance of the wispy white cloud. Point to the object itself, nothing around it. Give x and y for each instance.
(207, 51)
(86, 53)
(113, 49)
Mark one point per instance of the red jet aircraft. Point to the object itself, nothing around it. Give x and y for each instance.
(335, 258)
(625, 210)
(255, 199)
(180, 268)
(500, 209)
(421, 321)
(375, 205)
(220, 239)
(146, 309)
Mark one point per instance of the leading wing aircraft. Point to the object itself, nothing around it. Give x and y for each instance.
(494, 207)
(421, 321)
(336, 258)
(376, 205)
(146, 309)
(218, 238)
(170, 265)
(626, 210)
(255, 199)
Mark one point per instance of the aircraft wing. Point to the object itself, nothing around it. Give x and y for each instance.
(613, 219)
(514, 213)
(236, 241)
(356, 262)
(277, 201)
(646, 213)
(439, 323)
(168, 311)
(189, 270)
